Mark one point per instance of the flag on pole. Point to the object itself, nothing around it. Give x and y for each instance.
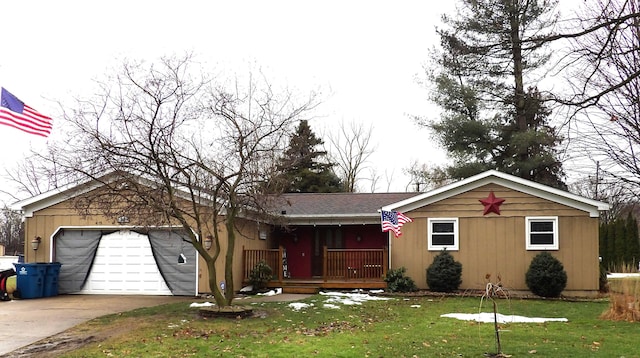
(14, 113)
(393, 221)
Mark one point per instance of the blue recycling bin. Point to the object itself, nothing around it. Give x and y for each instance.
(51, 279)
(30, 279)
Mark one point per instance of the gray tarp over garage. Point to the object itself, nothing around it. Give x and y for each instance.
(76, 249)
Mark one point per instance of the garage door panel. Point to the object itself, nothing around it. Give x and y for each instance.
(124, 264)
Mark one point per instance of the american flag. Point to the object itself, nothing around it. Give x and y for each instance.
(14, 113)
(393, 221)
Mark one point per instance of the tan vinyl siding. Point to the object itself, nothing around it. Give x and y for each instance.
(496, 244)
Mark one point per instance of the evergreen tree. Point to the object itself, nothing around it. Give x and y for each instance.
(602, 244)
(445, 273)
(490, 118)
(632, 251)
(546, 276)
(619, 242)
(301, 169)
(620, 229)
(611, 244)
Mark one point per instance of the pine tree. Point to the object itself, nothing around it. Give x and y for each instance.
(301, 169)
(620, 238)
(632, 251)
(611, 243)
(602, 243)
(490, 118)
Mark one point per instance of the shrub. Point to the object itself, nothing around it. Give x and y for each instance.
(546, 276)
(444, 274)
(603, 281)
(260, 275)
(624, 297)
(398, 282)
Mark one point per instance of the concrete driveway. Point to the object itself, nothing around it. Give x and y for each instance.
(23, 322)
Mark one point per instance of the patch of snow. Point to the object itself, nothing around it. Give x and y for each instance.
(415, 306)
(297, 306)
(356, 297)
(277, 291)
(344, 301)
(332, 306)
(246, 289)
(376, 291)
(622, 275)
(487, 317)
(203, 304)
(350, 298)
(333, 300)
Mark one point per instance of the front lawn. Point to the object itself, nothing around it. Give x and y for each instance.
(399, 327)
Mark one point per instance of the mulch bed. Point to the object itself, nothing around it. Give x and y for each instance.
(235, 312)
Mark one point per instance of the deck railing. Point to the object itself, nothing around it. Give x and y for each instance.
(354, 264)
(338, 264)
(272, 257)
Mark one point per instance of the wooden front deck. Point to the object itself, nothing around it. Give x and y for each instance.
(341, 269)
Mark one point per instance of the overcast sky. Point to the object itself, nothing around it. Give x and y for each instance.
(365, 57)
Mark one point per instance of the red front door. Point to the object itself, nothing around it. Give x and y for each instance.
(331, 237)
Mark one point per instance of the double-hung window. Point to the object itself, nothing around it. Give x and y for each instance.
(443, 234)
(542, 232)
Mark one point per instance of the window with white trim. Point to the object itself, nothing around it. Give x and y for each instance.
(443, 234)
(542, 232)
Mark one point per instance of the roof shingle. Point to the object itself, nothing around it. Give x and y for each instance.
(311, 204)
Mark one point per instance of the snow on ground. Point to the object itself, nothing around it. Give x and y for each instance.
(351, 298)
(202, 304)
(297, 306)
(333, 300)
(277, 291)
(487, 317)
(623, 275)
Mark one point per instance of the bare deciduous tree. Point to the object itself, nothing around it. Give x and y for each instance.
(350, 149)
(604, 74)
(31, 177)
(424, 177)
(601, 186)
(593, 41)
(182, 150)
(11, 231)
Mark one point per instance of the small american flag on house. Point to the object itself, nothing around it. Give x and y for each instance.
(393, 221)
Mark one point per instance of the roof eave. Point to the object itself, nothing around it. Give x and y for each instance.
(593, 207)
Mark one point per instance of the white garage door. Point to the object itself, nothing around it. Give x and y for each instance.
(124, 264)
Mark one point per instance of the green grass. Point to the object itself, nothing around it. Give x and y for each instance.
(374, 329)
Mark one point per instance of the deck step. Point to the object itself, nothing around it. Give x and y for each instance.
(301, 289)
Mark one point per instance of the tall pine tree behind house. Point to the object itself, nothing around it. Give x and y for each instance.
(303, 168)
(493, 115)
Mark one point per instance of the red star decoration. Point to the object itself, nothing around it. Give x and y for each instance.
(491, 204)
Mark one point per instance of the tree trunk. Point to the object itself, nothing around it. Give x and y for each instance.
(519, 95)
(228, 262)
